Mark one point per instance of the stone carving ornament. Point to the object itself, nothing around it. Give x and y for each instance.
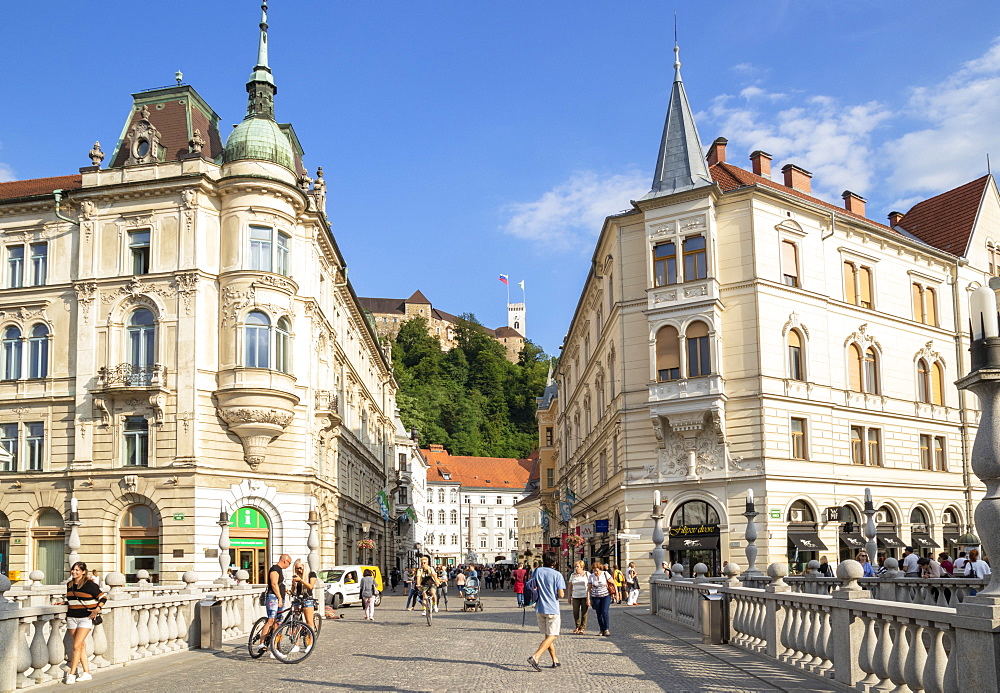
(143, 141)
(250, 415)
(187, 287)
(96, 155)
(135, 288)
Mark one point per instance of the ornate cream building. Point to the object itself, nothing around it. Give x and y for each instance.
(737, 333)
(180, 341)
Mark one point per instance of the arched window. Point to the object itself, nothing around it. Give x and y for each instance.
(796, 365)
(856, 368)
(698, 356)
(50, 546)
(141, 340)
(923, 382)
(668, 354)
(282, 346)
(800, 511)
(140, 543)
(440, 495)
(694, 513)
(38, 352)
(430, 517)
(453, 517)
(937, 383)
(440, 517)
(599, 387)
(258, 338)
(918, 516)
(587, 423)
(871, 371)
(12, 353)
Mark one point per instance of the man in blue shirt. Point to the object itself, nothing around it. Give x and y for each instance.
(550, 586)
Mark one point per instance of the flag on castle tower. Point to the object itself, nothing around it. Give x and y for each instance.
(521, 284)
(503, 278)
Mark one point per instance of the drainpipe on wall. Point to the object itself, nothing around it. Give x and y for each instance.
(57, 194)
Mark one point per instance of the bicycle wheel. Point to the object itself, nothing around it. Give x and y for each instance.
(318, 622)
(255, 646)
(292, 642)
(428, 609)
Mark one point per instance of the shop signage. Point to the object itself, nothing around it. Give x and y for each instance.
(248, 518)
(248, 543)
(17, 540)
(178, 516)
(601, 526)
(587, 530)
(555, 541)
(687, 530)
(626, 536)
(774, 513)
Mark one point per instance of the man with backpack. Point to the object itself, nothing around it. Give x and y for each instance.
(546, 587)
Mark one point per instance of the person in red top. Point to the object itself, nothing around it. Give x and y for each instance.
(520, 575)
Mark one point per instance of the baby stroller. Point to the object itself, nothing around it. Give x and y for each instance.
(472, 602)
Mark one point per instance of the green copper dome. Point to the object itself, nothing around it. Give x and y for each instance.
(259, 138)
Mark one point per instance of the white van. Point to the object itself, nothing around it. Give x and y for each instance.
(342, 584)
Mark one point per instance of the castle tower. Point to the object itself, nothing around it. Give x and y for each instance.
(515, 318)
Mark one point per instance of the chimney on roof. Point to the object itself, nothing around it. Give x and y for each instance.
(895, 219)
(854, 202)
(761, 162)
(797, 178)
(434, 447)
(717, 152)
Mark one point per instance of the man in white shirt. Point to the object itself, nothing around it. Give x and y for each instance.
(910, 566)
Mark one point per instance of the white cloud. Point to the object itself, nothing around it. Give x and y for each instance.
(573, 211)
(830, 139)
(961, 114)
(6, 173)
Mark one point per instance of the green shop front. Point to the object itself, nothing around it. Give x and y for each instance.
(249, 536)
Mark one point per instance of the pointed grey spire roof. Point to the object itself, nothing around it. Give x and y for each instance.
(681, 162)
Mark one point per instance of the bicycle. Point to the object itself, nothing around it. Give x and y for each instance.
(428, 599)
(291, 640)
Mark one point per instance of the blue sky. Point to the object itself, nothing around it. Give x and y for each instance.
(462, 140)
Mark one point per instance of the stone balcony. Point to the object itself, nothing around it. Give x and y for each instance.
(132, 384)
(256, 404)
(686, 388)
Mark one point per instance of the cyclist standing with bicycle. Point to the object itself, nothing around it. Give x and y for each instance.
(302, 587)
(275, 592)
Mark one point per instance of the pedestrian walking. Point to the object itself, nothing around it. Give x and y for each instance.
(442, 588)
(368, 592)
(84, 599)
(520, 576)
(619, 578)
(410, 588)
(550, 587)
(602, 588)
(302, 587)
(825, 569)
(460, 582)
(632, 580)
(579, 596)
(394, 578)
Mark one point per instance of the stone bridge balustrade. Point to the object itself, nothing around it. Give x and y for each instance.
(140, 621)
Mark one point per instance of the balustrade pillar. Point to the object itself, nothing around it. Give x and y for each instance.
(774, 617)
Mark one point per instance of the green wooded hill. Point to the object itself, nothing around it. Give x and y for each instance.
(471, 400)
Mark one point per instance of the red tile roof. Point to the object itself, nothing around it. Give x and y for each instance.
(496, 473)
(731, 177)
(39, 186)
(945, 221)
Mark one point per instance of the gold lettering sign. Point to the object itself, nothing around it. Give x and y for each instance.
(685, 530)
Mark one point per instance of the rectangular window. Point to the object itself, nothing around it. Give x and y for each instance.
(917, 295)
(695, 260)
(35, 441)
(550, 480)
(468, 500)
(39, 263)
(874, 447)
(260, 248)
(850, 283)
(699, 362)
(799, 439)
(940, 463)
(664, 264)
(136, 441)
(284, 254)
(402, 496)
(930, 306)
(865, 287)
(482, 522)
(8, 439)
(15, 266)
(499, 500)
(548, 436)
(515, 521)
(138, 248)
(789, 263)
(482, 543)
(499, 542)
(499, 522)
(465, 521)
(482, 500)
(925, 452)
(857, 445)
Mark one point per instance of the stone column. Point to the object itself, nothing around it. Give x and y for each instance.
(751, 536)
(118, 623)
(8, 634)
(872, 546)
(848, 629)
(774, 618)
(658, 552)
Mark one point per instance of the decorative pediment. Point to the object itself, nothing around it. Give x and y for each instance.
(862, 337)
(143, 141)
(928, 354)
(794, 323)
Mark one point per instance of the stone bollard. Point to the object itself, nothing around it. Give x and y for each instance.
(848, 631)
(242, 577)
(774, 618)
(676, 571)
(700, 572)
(732, 572)
(142, 579)
(118, 623)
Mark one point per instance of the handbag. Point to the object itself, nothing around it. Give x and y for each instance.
(98, 620)
(612, 587)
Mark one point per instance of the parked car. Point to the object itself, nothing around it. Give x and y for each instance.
(343, 584)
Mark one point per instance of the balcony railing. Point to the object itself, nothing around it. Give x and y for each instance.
(131, 375)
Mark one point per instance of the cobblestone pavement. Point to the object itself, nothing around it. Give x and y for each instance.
(469, 651)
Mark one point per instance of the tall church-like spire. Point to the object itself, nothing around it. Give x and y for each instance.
(681, 163)
(261, 87)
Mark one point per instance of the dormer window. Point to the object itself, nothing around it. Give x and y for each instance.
(446, 475)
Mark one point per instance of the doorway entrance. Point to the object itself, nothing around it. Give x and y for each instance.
(249, 533)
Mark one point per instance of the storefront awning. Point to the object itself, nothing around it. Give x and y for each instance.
(807, 541)
(605, 550)
(951, 539)
(924, 541)
(891, 541)
(852, 540)
(693, 543)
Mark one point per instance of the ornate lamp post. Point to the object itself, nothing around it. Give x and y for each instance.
(366, 528)
(870, 530)
(223, 545)
(73, 540)
(984, 380)
(751, 535)
(658, 552)
(313, 541)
